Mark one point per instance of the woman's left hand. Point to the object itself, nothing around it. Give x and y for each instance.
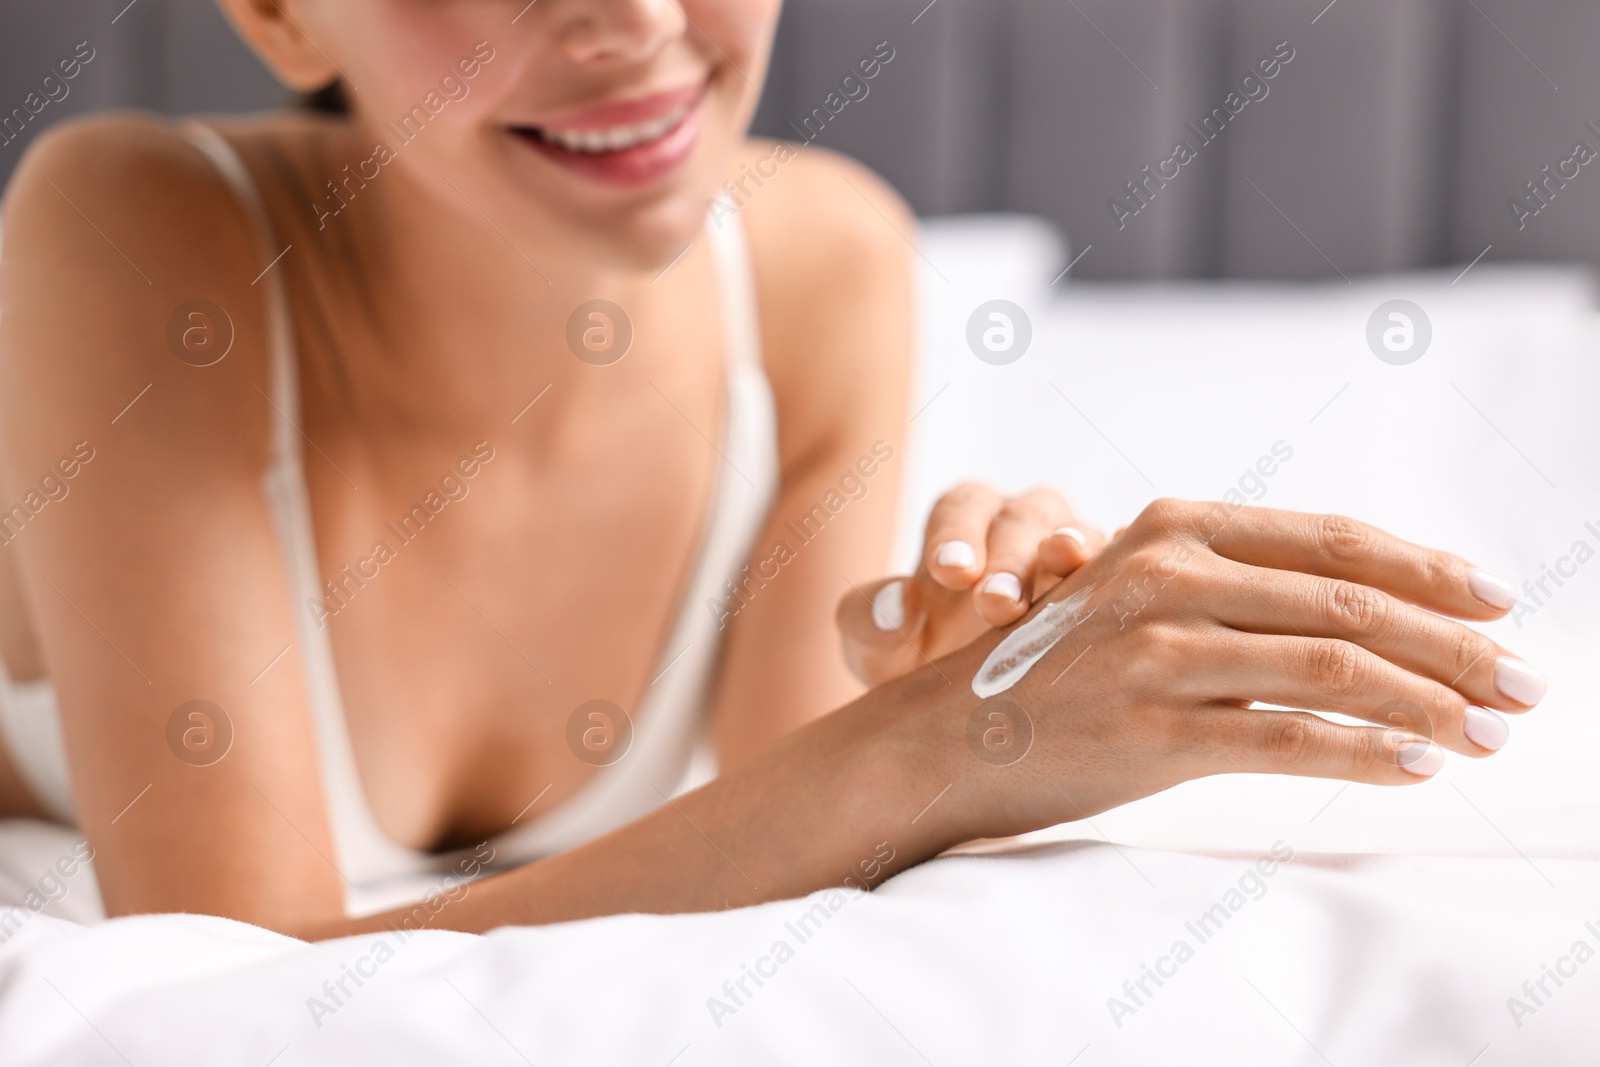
(985, 559)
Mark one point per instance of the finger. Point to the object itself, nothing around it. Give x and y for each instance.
(1333, 546)
(957, 531)
(1015, 532)
(1419, 641)
(1063, 552)
(1069, 547)
(878, 625)
(1325, 674)
(1232, 740)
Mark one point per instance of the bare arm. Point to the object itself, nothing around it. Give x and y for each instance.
(158, 582)
(814, 810)
(836, 305)
(1160, 692)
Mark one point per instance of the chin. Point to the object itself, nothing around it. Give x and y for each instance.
(644, 240)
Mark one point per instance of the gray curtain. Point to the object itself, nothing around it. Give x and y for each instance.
(1397, 136)
(173, 56)
(1394, 139)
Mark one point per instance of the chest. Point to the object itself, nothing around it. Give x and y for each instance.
(492, 563)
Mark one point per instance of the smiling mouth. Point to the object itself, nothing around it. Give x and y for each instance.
(601, 140)
(629, 144)
(595, 139)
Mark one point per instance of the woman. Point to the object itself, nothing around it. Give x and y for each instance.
(417, 457)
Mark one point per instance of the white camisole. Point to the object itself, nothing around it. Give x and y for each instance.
(667, 726)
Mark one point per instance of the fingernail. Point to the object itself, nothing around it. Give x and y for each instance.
(1495, 592)
(889, 607)
(1518, 681)
(1002, 584)
(1485, 729)
(957, 554)
(1074, 533)
(1420, 758)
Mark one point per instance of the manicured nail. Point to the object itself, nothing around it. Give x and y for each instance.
(1002, 584)
(1495, 592)
(1420, 758)
(957, 554)
(1485, 729)
(1518, 681)
(1074, 533)
(889, 607)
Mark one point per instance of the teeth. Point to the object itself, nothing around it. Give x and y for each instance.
(615, 138)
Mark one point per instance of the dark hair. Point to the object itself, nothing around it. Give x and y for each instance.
(331, 99)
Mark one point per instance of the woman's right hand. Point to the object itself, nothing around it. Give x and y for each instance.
(1196, 611)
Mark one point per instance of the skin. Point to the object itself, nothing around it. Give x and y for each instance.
(160, 580)
(1035, 539)
(1355, 626)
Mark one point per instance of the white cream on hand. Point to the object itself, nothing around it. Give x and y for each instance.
(1013, 657)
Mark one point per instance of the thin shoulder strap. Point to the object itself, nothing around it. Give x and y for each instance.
(741, 319)
(364, 852)
(285, 394)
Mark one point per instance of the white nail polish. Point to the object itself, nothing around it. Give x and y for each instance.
(957, 554)
(1485, 729)
(1002, 584)
(889, 607)
(1518, 681)
(1074, 533)
(1420, 758)
(1495, 592)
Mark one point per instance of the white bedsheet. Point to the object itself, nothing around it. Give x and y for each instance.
(1398, 934)
(1488, 445)
(1010, 959)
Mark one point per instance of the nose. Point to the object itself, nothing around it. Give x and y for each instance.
(594, 31)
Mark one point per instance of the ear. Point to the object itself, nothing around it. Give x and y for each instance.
(272, 29)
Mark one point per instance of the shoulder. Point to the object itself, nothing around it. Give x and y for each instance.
(815, 215)
(127, 163)
(112, 226)
(832, 245)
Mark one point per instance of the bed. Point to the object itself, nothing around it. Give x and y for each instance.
(1234, 920)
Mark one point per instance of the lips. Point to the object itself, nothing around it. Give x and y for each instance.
(628, 143)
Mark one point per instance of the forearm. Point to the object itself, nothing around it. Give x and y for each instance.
(782, 667)
(801, 817)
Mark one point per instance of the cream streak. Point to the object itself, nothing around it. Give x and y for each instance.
(1013, 657)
